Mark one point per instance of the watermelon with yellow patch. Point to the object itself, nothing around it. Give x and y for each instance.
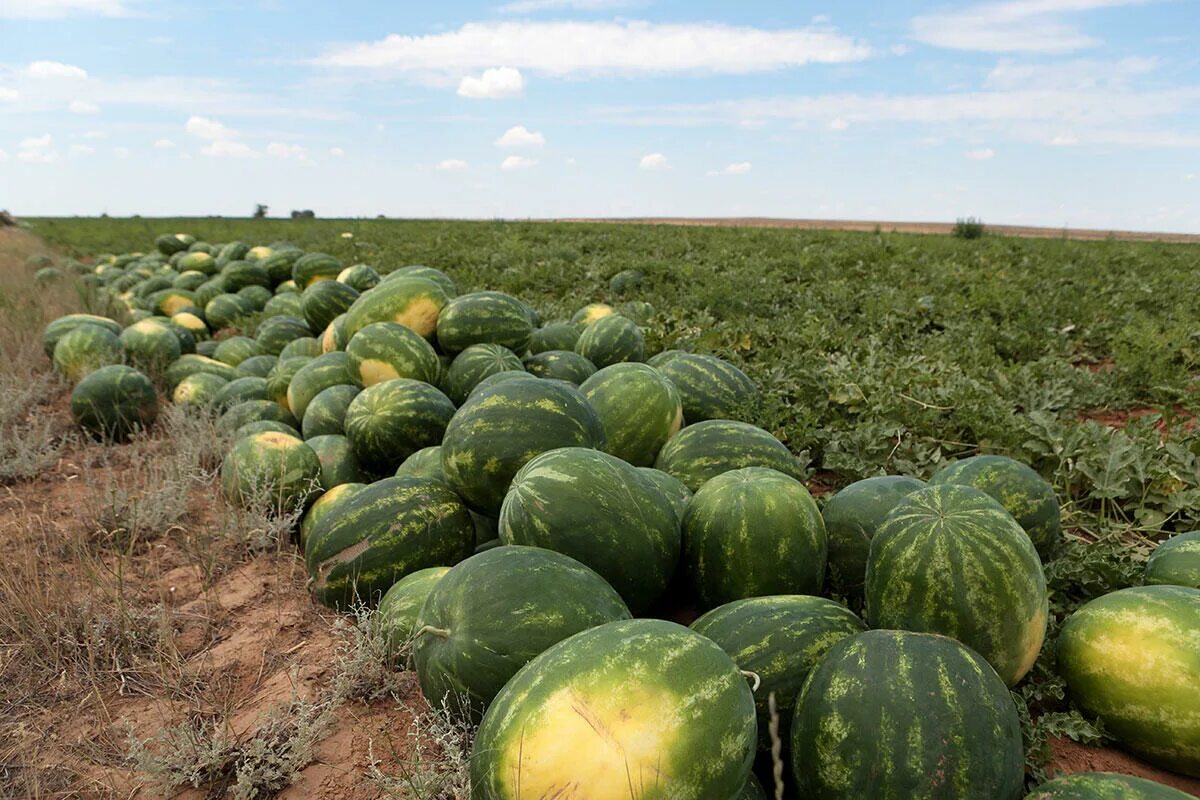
(199, 390)
(150, 344)
(329, 502)
(383, 351)
(60, 327)
(271, 470)
(85, 349)
(412, 302)
(592, 312)
(639, 408)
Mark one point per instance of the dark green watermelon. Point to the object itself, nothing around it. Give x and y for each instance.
(114, 401)
(639, 408)
(276, 333)
(236, 349)
(397, 611)
(338, 463)
(84, 349)
(325, 300)
(1175, 562)
(710, 387)
(610, 340)
(326, 413)
(555, 336)
(671, 487)
(271, 469)
(472, 365)
(565, 365)
(239, 390)
(313, 267)
(324, 371)
(702, 451)
(484, 318)
(390, 421)
(425, 463)
(1104, 786)
(852, 516)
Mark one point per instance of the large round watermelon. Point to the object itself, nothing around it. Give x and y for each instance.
(65, 324)
(1132, 658)
(469, 642)
(611, 340)
(484, 318)
(852, 516)
(114, 401)
(85, 349)
(565, 365)
(671, 487)
(703, 451)
(276, 333)
(502, 427)
(425, 463)
(639, 408)
(225, 311)
(150, 344)
(325, 300)
(1104, 786)
(1022, 492)
(949, 559)
(271, 470)
(257, 366)
(191, 363)
(236, 349)
(383, 351)
(555, 336)
(601, 511)
(472, 365)
(710, 387)
(428, 273)
(238, 390)
(314, 267)
(391, 528)
(906, 715)
(331, 502)
(388, 422)
(397, 612)
(307, 346)
(780, 639)
(1176, 561)
(314, 377)
(256, 410)
(635, 708)
(752, 532)
(338, 463)
(412, 302)
(326, 413)
(198, 390)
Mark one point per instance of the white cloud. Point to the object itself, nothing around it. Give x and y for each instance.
(36, 142)
(623, 47)
(981, 154)
(80, 150)
(9, 95)
(456, 165)
(838, 124)
(517, 162)
(83, 107)
(1031, 26)
(56, 9)
(739, 168)
(94, 135)
(532, 6)
(1191, 176)
(164, 144)
(494, 84)
(228, 149)
(54, 69)
(161, 40)
(37, 150)
(3, 156)
(284, 150)
(121, 152)
(899, 49)
(519, 136)
(1076, 74)
(206, 128)
(337, 152)
(1064, 140)
(654, 162)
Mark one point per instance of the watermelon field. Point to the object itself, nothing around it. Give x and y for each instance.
(512, 510)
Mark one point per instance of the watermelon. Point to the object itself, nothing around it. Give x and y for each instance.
(1104, 786)
(200, 389)
(314, 267)
(412, 302)
(591, 312)
(255, 296)
(283, 305)
(239, 390)
(852, 516)
(780, 639)
(710, 387)
(226, 311)
(207, 292)
(287, 287)
(389, 529)
(334, 337)
(277, 332)
(338, 463)
(597, 509)
(499, 429)
(84, 349)
(236, 349)
(1022, 492)
(949, 559)
(190, 280)
(425, 463)
(306, 346)
(469, 643)
(64, 325)
(472, 365)
(752, 532)
(190, 364)
(893, 714)
(279, 264)
(626, 281)
(1132, 659)
(639, 311)
(640, 410)
(324, 371)
(484, 318)
(191, 323)
(398, 609)
(198, 262)
(326, 413)
(279, 379)
(114, 401)
(384, 351)
(1175, 562)
(263, 426)
(331, 501)
(633, 708)
(254, 410)
(273, 469)
(257, 366)
(564, 365)
(170, 244)
(500, 377)
(702, 451)
(240, 274)
(150, 344)
(555, 336)
(171, 301)
(234, 251)
(428, 273)
(671, 487)
(612, 340)
(324, 300)
(388, 422)
(359, 277)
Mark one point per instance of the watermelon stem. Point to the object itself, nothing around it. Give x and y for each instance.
(442, 632)
(754, 676)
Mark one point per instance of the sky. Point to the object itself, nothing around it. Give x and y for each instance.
(1079, 113)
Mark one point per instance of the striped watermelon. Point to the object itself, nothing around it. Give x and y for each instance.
(634, 708)
(276, 333)
(150, 344)
(191, 323)
(225, 311)
(334, 337)
(626, 281)
(338, 462)
(909, 716)
(949, 559)
(257, 366)
(852, 516)
(240, 274)
(502, 427)
(198, 262)
(255, 426)
(233, 251)
(274, 469)
(279, 264)
(752, 532)
(780, 639)
(388, 422)
(359, 277)
(500, 377)
(1132, 658)
(190, 364)
(324, 301)
(397, 612)
(314, 267)
(255, 410)
(114, 401)
(428, 273)
(326, 413)
(85, 349)
(639, 408)
(484, 318)
(710, 387)
(1021, 491)
(591, 312)
(472, 365)
(306, 346)
(702, 451)
(239, 390)
(280, 378)
(1104, 786)
(425, 463)
(315, 376)
(564, 365)
(611, 340)
(331, 501)
(199, 390)
(383, 351)
(1175, 562)
(386, 531)
(671, 487)
(236, 349)
(601, 511)
(412, 302)
(65, 324)
(555, 336)
(469, 643)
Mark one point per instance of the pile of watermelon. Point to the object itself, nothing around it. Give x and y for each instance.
(527, 504)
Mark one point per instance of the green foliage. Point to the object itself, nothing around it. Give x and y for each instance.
(968, 228)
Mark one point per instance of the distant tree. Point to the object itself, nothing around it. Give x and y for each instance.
(260, 211)
(968, 228)
(6, 219)
(307, 213)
